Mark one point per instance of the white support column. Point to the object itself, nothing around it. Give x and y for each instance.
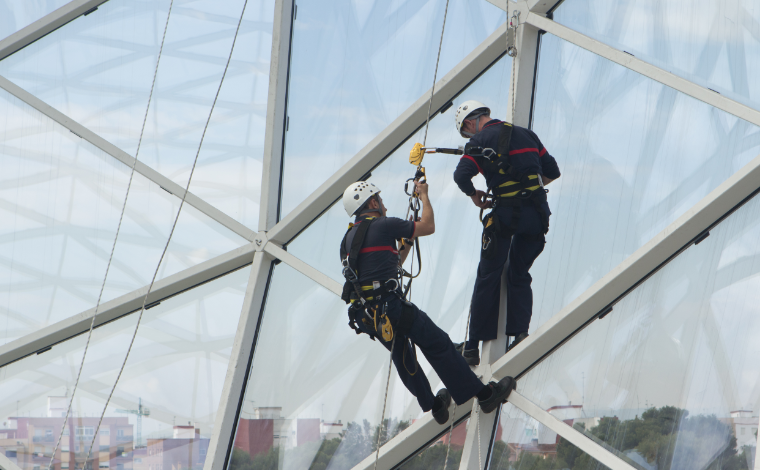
(240, 361)
(648, 70)
(479, 434)
(126, 304)
(127, 159)
(575, 437)
(47, 24)
(274, 139)
(225, 425)
(478, 438)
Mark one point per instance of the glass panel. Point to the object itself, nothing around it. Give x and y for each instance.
(163, 409)
(433, 456)
(98, 70)
(714, 44)
(60, 201)
(356, 66)
(670, 377)
(522, 443)
(16, 15)
(316, 389)
(634, 156)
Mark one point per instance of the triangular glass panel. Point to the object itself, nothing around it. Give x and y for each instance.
(316, 390)
(98, 70)
(60, 202)
(355, 68)
(713, 44)
(166, 399)
(679, 350)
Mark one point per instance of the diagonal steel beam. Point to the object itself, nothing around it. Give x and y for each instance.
(390, 138)
(99, 142)
(575, 437)
(644, 68)
(307, 270)
(126, 304)
(45, 25)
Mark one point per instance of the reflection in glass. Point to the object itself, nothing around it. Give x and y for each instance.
(98, 70)
(60, 202)
(522, 443)
(356, 66)
(634, 156)
(433, 456)
(316, 389)
(163, 409)
(670, 376)
(714, 44)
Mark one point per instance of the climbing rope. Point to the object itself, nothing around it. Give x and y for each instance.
(512, 52)
(414, 208)
(113, 249)
(385, 403)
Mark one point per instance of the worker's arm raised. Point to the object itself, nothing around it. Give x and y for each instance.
(426, 224)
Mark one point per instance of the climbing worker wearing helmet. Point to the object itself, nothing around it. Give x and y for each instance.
(372, 263)
(516, 167)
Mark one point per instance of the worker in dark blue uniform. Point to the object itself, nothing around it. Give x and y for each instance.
(371, 260)
(514, 231)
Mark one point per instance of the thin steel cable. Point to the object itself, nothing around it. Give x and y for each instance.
(113, 247)
(435, 75)
(385, 403)
(451, 426)
(174, 225)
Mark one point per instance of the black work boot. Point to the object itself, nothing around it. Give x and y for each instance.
(441, 415)
(499, 392)
(472, 356)
(517, 340)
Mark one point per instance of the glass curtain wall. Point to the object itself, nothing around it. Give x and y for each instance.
(60, 202)
(162, 412)
(669, 377)
(98, 70)
(634, 156)
(316, 389)
(522, 443)
(356, 66)
(714, 44)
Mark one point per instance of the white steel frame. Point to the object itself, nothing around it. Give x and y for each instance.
(267, 245)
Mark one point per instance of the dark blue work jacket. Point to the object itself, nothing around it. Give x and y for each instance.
(527, 156)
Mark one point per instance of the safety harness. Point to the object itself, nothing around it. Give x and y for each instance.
(519, 190)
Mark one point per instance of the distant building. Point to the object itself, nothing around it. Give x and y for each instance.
(269, 429)
(29, 442)
(744, 426)
(330, 430)
(185, 450)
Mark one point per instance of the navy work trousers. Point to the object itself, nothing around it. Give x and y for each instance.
(438, 349)
(518, 252)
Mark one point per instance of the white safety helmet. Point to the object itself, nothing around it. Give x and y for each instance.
(469, 110)
(356, 195)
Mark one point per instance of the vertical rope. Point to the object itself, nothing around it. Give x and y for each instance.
(435, 75)
(385, 403)
(113, 247)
